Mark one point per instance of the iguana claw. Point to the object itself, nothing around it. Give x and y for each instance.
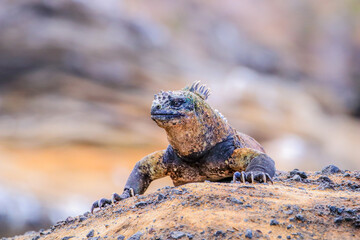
(243, 176)
(252, 177)
(114, 198)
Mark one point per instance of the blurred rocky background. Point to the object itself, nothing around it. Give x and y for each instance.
(77, 78)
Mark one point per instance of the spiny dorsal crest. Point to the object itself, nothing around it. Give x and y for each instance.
(201, 90)
(222, 116)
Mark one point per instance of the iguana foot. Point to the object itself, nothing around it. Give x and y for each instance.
(115, 198)
(100, 203)
(252, 177)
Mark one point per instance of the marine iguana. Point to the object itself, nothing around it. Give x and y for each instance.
(202, 146)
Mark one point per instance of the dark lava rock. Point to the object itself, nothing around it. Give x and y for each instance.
(289, 226)
(248, 234)
(357, 222)
(336, 210)
(350, 211)
(296, 178)
(274, 222)
(300, 217)
(69, 220)
(82, 218)
(219, 233)
(258, 234)
(177, 234)
(298, 234)
(331, 169)
(90, 234)
(340, 210)
(136, 236)
(120, 237)
(236, 201)
(295, 172)
(324, 179)
(338, 220)
(67, 238)
(141, 204)
(325, 183)
(353, 185)
(45, 232)
(36, 238)
(161, 196)
(118, 211)
(289, 212)
(177, 192)
(190, 236)
(332, 208)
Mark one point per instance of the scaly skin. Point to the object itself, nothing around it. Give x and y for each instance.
(202, 146)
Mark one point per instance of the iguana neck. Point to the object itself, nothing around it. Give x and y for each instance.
(197, 133)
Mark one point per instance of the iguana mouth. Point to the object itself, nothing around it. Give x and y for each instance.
(165, 116)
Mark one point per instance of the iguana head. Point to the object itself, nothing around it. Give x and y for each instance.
(173, 107)
(192, 126)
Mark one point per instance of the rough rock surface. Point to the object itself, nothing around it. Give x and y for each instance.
(315, 207)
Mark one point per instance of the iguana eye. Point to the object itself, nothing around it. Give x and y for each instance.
(177, 102)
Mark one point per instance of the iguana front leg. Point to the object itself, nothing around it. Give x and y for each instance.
(145, 171)
(257, 165)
